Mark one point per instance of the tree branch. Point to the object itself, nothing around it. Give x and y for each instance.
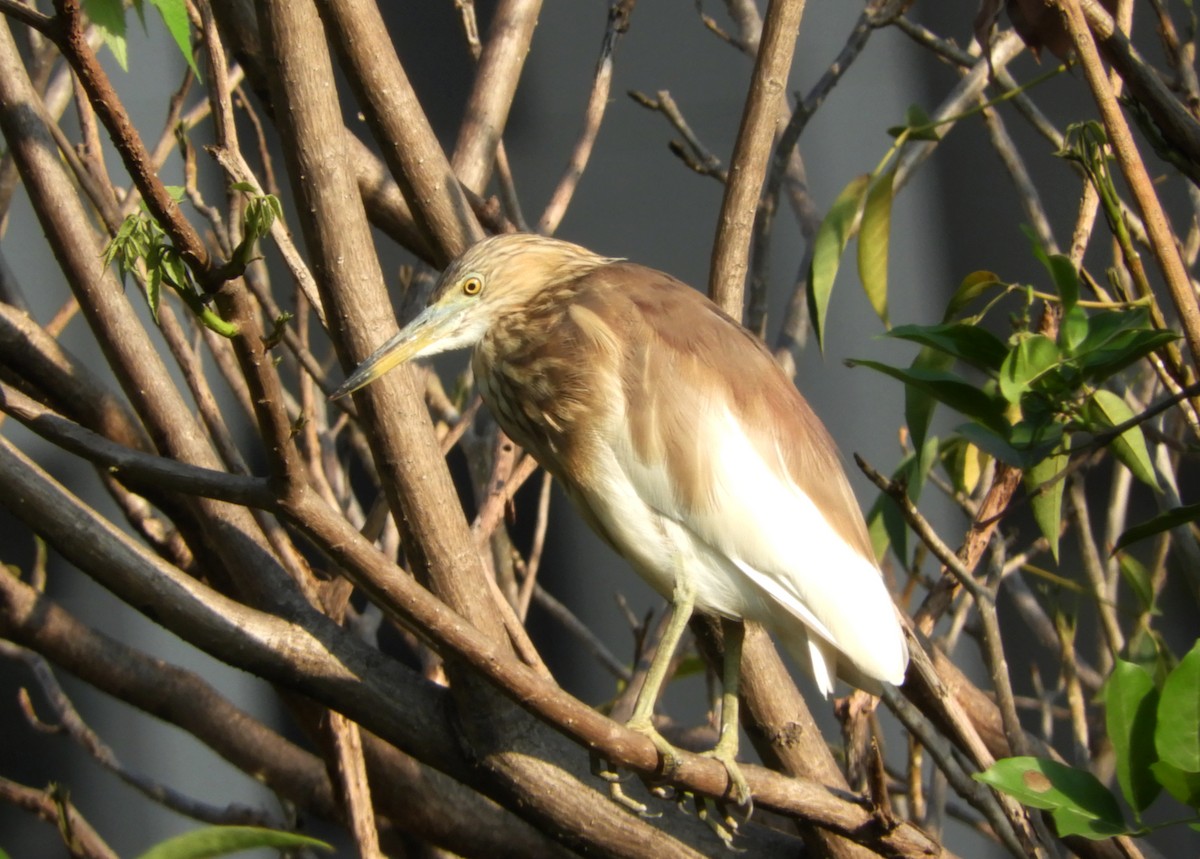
(751, 154)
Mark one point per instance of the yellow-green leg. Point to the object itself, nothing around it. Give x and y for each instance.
(733, 632)
(683, 602)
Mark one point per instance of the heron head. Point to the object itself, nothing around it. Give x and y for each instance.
(493, 277)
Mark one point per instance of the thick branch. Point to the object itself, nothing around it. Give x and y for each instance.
(409, 145)
(509, 37)
(130, 464)
(751, 154)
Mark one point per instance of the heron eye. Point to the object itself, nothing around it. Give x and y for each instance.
(472, 285)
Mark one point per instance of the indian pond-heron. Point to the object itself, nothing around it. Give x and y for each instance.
(684, 446)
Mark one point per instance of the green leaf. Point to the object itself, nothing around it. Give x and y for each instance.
(1117, 338)
(1138, 578)
(1104, 325)
(1079, 803)
(1109, 410)
(877, 528)
(919, 404)
(1130, 707)
(874, 234)
(994, 445)
(224, 840)
(1034, 356)
(895, 529)
(1121, 351)
(1036, 439)
(1177, 736)
(917, 123)
(1146, 648)
(1047, 503)
(919, 465)
(1073, 330)
(109, 18)
(260, 215)
(912, 472)
(1065, 277)
(154, 291)
(973, 285)
(830, 242)
(1184, 786)
(1173, 518)
(955, 391)
(174, 15)
(969, 343)
(174, 271)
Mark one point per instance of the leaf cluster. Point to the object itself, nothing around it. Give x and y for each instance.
(109, 18)
(140, 244)
(1027, 395)
(1152, 726)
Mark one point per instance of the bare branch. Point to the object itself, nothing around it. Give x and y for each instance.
(619, 14)
(398, 123)
(53, 806)
(134, 464)
(751, 154)
(500, 64)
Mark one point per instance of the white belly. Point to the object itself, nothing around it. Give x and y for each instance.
(660, 548)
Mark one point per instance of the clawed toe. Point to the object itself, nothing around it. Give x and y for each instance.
(723, 824)
(714, 812)
(739, 788)
(604, 770)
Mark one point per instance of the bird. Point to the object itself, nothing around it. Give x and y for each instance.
(682, 443)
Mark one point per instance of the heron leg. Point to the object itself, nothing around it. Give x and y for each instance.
(683, 601)
(726, 749)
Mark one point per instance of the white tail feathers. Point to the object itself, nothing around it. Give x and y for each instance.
(825, 662)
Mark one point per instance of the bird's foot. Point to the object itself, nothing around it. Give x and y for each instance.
(714, 812)
(739, 788)
(716, 815)
(667, 753)
(604, 770)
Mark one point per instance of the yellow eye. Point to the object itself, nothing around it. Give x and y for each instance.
(472, 285)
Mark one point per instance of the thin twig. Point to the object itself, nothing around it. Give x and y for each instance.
(29, 16)
(239, 171)
(690, 151)
(576, 627)
(535, 550)
(619, 14)
(1162, 239)
(501, 492)
(68, 720)
(1093, 568)
(984, 600)
(1027, 191)
(55, 807)
(73, 42)
(980, 798)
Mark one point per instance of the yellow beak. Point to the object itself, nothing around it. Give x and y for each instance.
(420, 337)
